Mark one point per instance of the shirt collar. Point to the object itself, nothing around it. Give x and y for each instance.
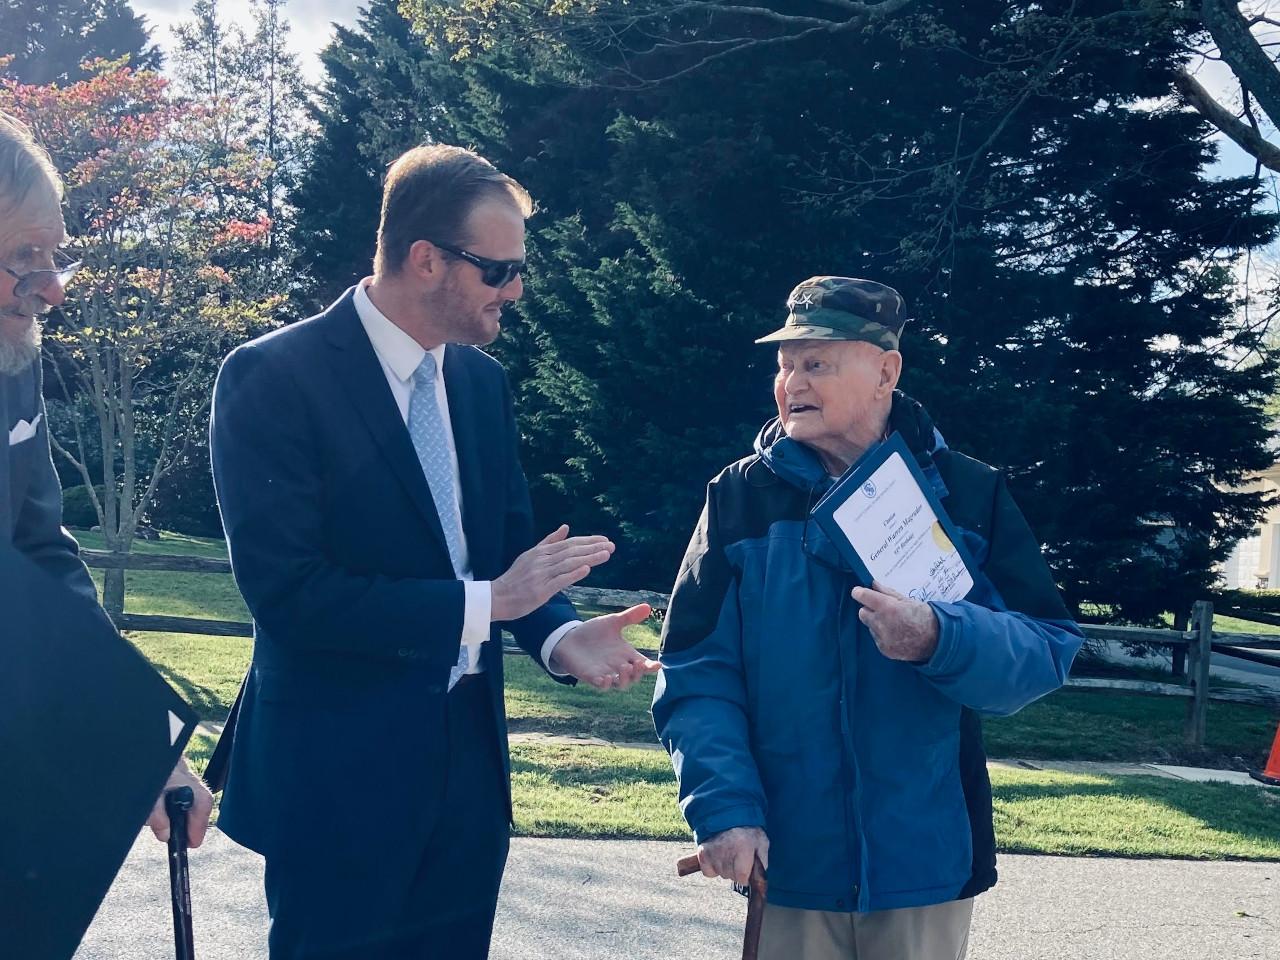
(394, 347)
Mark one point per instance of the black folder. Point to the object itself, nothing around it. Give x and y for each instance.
(89, 733)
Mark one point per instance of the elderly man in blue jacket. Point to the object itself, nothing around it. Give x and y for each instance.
(832, 730)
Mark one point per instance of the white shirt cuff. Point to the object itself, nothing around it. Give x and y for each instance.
(549, 645)
(478, 596)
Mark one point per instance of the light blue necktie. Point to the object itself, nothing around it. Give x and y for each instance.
(426, 429)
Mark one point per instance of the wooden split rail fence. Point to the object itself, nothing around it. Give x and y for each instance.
(1197, 643)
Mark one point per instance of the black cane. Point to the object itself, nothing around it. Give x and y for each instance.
(177, 803)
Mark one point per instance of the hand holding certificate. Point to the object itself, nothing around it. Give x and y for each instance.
(902, 628)
(892, 529)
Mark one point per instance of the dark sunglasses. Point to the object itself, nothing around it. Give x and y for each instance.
(38, 282)
(494, 273)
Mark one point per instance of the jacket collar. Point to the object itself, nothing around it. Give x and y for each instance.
(798, 464)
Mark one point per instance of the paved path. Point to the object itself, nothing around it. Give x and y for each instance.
(1162, 770)
(597, 899)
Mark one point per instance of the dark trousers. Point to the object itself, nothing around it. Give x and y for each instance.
(322, 910)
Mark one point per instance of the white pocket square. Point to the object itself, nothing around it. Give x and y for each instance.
(24, 431)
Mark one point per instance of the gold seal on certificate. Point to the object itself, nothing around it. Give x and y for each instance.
(893, 529)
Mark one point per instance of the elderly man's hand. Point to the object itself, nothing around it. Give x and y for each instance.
(732, 853)
(201, 808)
(903, 629)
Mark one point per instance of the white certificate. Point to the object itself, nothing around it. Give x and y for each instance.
(889, 523)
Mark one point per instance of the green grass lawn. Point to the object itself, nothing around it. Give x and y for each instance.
(1223, 624)
(566, 791)
(1068, 725)
(577, 791)
(1039, 811)
(210, 595)
(205, 670)
(536, 704)
(1076, 725)
(608, 792)
(178, 544)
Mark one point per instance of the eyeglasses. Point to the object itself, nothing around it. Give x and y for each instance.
(38, 282)
(493, 273)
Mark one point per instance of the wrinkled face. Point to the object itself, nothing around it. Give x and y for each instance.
(471, 309)
(832, 394)
(28, 239)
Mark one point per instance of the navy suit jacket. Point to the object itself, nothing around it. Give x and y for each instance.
(337, 547)
(30, 496)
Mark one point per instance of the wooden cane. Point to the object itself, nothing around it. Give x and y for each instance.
(755, 902)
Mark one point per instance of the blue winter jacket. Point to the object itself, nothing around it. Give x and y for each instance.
(779, 711)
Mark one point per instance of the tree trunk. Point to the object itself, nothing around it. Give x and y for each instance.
(1240, 49)
(113, 592)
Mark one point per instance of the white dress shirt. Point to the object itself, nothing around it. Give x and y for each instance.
(400, 356)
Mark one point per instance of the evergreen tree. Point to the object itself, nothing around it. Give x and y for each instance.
(278, 138)
(257, 77)
(365, 112)
(49, 39)
(1068, 260)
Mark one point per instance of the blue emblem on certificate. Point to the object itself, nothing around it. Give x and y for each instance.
(888, 524)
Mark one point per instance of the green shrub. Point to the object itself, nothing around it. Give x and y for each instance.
(1264, 601)
(77, 507)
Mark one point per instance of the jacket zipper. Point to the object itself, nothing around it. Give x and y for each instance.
(848, 764)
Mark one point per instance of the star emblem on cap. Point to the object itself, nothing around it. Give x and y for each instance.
(805, 300)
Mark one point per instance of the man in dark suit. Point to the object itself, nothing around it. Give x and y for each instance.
(32, 276)
(380, 531)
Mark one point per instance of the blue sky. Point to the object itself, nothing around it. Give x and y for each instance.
(311, 22)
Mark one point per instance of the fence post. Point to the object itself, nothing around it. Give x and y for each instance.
(1179, 664)
(1198, 653)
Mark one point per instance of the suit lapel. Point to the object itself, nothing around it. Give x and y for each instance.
(361, 374)
(465, 421)
(8, 415)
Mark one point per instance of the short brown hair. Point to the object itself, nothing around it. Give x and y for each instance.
(428, 195)
(24, 165)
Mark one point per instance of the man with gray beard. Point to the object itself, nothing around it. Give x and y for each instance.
(31, 284)
(33, 273)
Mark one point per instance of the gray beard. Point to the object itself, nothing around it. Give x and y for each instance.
(20, 352)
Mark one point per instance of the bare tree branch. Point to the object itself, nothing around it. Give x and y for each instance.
(746, 44)
(1240, 49)
(1248, 138)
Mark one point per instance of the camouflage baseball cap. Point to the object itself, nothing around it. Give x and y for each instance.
(842, 308)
